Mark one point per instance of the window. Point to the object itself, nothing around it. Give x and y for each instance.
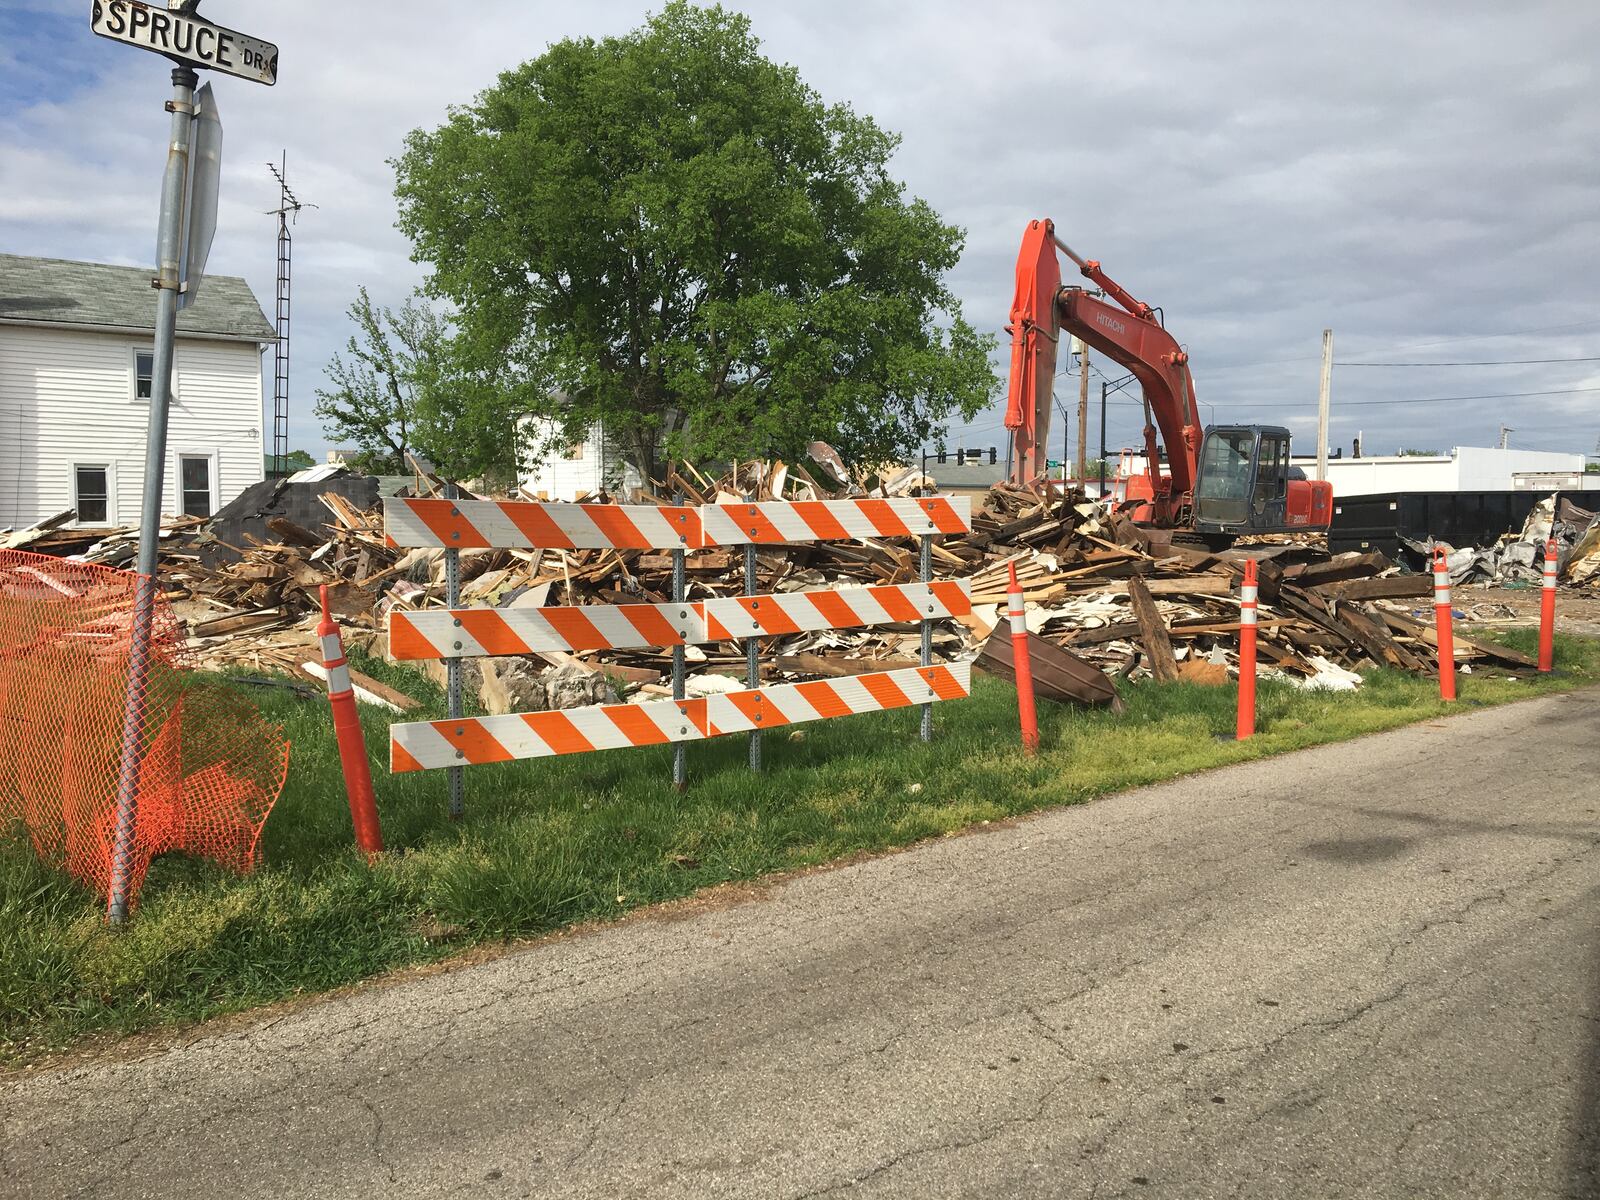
(144, 372)
(91, 494)
(194, 477)
(576, 451)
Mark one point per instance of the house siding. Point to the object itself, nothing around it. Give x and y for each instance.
(67, 398)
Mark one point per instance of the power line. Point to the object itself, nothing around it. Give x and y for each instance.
(1416, 400)
(1488, 362)
(1470, 337)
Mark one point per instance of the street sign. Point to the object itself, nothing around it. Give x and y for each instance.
(186, 38)
(205, 178)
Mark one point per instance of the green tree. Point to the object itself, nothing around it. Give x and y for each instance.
(295, 460)
(682, 240)
(381, 387)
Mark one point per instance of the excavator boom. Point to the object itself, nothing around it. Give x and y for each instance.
(1041, 311)
(1248, 483)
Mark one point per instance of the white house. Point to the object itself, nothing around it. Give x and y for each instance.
(76, 342)
(555, 468)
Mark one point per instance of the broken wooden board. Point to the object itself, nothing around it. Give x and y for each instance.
(1152, 633)
(1058, 673)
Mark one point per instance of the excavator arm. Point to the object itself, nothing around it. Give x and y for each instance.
(1129, 333)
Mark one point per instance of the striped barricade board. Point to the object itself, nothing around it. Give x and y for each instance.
(733, 617)
(425, 745)
(774, 521)
(534, 524)
(471, 632)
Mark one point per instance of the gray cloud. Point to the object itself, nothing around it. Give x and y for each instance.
(1421, 178)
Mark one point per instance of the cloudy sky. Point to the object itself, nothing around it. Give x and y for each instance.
(1422, 178)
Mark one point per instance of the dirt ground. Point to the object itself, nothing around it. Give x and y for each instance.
(1577, 609)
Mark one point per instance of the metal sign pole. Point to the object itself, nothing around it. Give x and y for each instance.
(752, 651)
(169, 254)
(455, 782)
(927, 633)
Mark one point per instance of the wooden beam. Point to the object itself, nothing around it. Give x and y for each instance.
(1153, 632)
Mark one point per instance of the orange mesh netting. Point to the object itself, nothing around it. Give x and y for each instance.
(210, 767)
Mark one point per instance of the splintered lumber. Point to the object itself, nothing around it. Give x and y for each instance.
(1182, 585)
(244, 622)
(1337, 570)
(1058, 673)
(1152, 633)
(1504, 655)
(1393, 587)
(1374, 638)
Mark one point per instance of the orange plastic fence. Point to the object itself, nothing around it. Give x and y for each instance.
(210, 770)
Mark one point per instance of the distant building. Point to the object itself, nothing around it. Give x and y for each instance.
(1464, 469)
(556, 468)
(76, 351)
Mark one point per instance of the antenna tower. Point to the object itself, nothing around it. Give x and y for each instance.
(287, 212)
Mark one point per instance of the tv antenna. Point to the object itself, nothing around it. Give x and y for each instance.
(288, 213)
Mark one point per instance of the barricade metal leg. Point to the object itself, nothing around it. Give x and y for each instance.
(455, 782)
(927, 633)
(680, 761)
(752, 652)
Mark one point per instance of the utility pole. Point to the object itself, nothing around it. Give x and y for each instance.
(1103, 387)
(1322, 403)
(1505, 436)
(1083, 412)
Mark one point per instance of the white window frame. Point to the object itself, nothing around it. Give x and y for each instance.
(213, 462)
(133, 373)
(110, 468)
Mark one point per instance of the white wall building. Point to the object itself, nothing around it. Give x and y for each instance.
(76, 343)
(555, 468)
(1464, 469)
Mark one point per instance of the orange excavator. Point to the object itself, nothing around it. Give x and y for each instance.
(1219, 483)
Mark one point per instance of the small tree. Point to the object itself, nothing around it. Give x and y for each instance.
(678, 236)
(381, 386)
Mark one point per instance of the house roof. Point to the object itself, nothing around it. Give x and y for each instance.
(54, 291)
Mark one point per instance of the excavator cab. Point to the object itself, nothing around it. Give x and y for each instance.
(1245, 484)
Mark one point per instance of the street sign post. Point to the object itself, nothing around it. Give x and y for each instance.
(183, 240)
(186, 38)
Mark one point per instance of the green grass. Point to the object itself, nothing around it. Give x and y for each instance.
(549, 843)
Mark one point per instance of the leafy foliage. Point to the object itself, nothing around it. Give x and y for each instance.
(382, 384)
(670, 235)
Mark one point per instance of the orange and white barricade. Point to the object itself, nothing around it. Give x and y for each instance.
(455, 633)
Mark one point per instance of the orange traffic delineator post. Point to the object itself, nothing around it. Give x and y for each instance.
(1441, 613)
(1021, 665)
(347, 728)
(1248, 592)
(1547, 609)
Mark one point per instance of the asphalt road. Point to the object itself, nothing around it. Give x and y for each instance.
(1366, 970)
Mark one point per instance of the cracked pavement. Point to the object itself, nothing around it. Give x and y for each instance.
(1362, 970)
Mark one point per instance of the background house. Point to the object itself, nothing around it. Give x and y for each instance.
(555, 468)
(76, 341)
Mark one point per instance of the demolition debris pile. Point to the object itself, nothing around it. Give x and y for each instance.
(1519, 558)
(1103, 594)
